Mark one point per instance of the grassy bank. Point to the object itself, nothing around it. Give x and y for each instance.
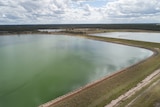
(148, 96)
(104, 91)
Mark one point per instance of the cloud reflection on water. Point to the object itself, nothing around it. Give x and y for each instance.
(49, 66)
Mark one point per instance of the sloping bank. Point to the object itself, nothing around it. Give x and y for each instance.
(103, 91)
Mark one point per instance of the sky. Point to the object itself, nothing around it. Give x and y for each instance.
(79, 11)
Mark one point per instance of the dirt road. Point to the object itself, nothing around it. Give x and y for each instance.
(146, 81)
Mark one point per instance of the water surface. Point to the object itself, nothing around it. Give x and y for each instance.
(140, 36)
(37, 68)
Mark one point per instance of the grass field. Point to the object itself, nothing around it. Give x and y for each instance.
(148, 96)
(104, 91)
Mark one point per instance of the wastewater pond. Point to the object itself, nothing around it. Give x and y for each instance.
(140, 36)
(37, 68)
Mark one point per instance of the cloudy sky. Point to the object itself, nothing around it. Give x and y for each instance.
(79, 11)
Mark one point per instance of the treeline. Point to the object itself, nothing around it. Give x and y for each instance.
(16, 28)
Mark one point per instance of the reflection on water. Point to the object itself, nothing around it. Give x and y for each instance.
(37, 68)
(141, 36)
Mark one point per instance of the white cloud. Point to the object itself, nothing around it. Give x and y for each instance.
(79, 11)
(133, 9)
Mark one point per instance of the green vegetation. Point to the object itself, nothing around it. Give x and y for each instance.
(149, 98)
(34, 28)
(146, 97)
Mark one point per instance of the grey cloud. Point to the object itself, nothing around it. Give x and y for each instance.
(11, 16)
(132, 8)
(29, 6)
(2, 4)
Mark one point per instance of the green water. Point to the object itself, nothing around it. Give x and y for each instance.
(37, 68)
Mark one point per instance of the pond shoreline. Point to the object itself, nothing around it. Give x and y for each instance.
(55, 103)
(103, 91)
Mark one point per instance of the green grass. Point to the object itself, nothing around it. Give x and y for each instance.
(150, 98)
(149, 95)
(105, 91)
